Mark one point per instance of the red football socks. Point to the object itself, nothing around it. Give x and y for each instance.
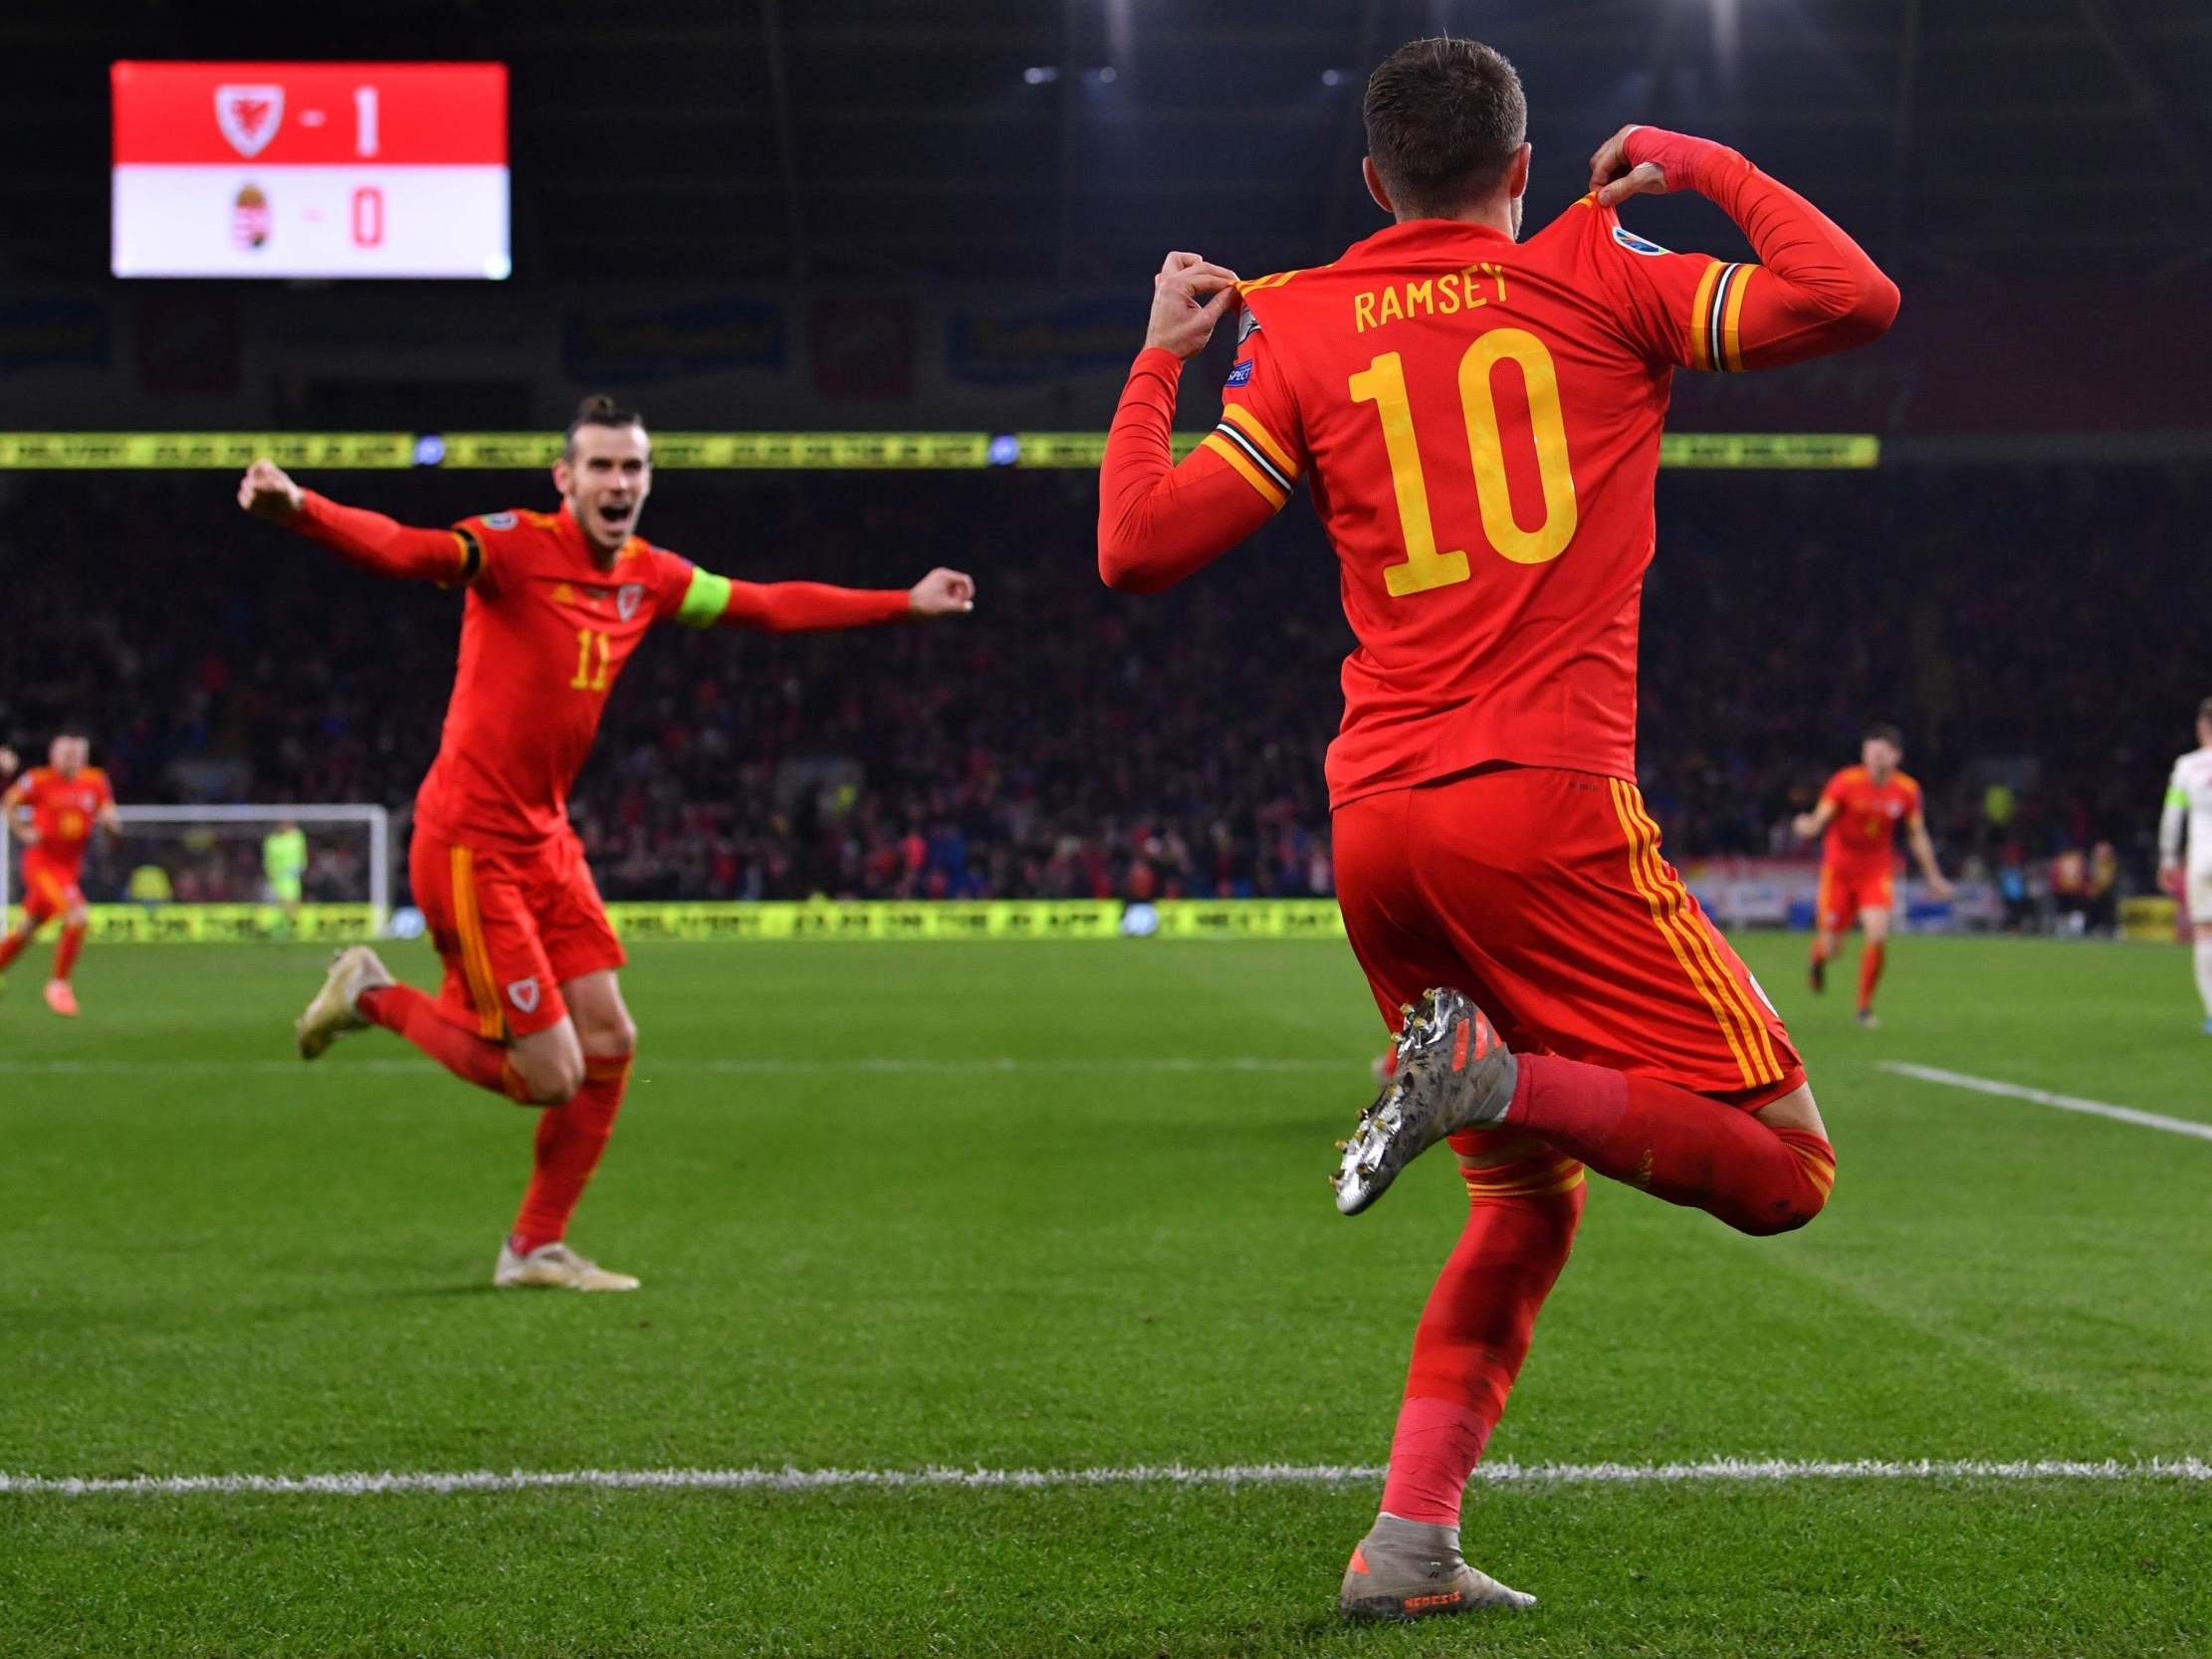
(408, 1014)
(65, 949)
(1870, 973)
(1674, 1144)
(12, 945)
(1474, 1332)
(569, 1141)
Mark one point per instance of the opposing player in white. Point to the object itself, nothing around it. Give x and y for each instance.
(2189, 802)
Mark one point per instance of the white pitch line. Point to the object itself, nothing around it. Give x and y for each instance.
(1724, 1469)
(893, 1063)
(2044, 1096)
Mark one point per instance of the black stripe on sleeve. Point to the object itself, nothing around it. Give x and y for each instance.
(472, 554)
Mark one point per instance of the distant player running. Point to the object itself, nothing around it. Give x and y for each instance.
(1481, 420)
(2189, 807)
(1857, 820)
(52, 810)
(557, 602)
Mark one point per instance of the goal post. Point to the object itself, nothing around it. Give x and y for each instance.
(192, 872)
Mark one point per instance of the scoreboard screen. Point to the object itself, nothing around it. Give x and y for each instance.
(310, 170)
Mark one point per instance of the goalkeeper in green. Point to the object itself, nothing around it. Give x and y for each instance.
(284, 865)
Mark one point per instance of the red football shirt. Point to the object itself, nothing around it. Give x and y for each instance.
(1863, 834)
(1481, 419)
(544, 638)
(64, 810)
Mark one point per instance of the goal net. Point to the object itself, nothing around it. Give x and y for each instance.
(187, 873)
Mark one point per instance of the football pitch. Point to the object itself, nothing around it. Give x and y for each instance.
(917, 1209)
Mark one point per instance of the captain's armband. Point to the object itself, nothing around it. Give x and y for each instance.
(704, 600)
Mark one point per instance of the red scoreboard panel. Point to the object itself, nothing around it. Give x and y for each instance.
(310, 170)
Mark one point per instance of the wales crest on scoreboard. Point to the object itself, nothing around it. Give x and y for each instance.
(249, 115)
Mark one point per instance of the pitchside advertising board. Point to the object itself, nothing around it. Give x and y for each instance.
(325, 170)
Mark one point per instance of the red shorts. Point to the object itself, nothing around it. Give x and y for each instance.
(513, 926)
(1845, 892)
(1542, 894)
(50, 884)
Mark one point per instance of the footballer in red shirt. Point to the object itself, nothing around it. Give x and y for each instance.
(1857, 821)
(556, 603)
(52, 810)
(1478, 418)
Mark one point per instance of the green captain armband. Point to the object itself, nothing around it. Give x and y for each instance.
(2177, 796)
(705, 600)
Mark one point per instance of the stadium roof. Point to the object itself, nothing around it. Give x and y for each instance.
(1048, 141)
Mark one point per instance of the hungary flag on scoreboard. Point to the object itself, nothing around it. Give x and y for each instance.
(310, 170)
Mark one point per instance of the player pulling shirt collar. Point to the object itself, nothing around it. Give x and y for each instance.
(1479, 421)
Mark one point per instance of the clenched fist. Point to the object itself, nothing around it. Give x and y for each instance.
(268, 493)
(942, 593)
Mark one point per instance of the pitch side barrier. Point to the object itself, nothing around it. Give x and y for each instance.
(821, 920)
(761, 451)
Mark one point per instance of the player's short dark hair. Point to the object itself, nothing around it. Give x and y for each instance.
(598, 410)
(1886, 733)
(1444, 117)
(2204, 710)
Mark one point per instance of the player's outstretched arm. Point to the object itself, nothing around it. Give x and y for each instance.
(712, 601)
(1923, 854)
(1159, 522)
(369, 539)
(1817, 292)
(1810, 825)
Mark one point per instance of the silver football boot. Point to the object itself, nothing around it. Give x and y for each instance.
(1453, 1072)
(1408, 1569)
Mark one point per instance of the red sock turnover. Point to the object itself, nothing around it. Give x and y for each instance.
(1676, 1144)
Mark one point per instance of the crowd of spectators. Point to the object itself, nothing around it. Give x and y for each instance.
(2033, 631)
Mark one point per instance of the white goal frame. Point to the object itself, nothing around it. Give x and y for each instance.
(377, 818)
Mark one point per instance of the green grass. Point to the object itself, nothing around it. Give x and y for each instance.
(214, 1267)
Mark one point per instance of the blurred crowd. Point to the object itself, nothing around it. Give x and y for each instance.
(2033, 632)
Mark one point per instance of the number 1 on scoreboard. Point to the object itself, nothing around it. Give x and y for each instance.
(364, 122)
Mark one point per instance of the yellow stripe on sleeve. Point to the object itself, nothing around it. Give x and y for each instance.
(1248, 423)
(1701, 314)
(1250, 474)
(1731, 341)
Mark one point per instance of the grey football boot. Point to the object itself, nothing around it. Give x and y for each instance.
(1453, 1072)
(332, 1014)
(1408, 1569)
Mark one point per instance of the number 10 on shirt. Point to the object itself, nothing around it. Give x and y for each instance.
(1383, 383)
